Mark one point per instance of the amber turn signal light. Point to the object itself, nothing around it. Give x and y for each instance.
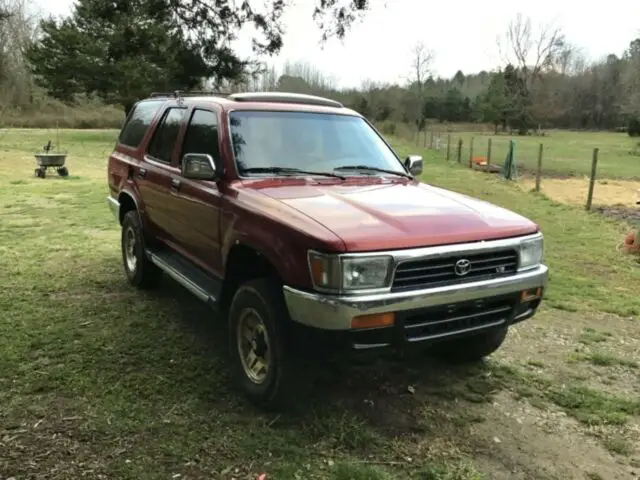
(531, 294)
(375, 320)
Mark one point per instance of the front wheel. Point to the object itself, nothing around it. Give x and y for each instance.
(262, 360)
(473, 348)
(141, 272)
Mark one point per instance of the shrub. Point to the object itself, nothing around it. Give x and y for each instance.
(84, 113)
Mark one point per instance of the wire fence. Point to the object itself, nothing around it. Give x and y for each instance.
(565, 165)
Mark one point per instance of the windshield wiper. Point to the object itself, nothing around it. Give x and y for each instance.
(288, 171)
(373, 169)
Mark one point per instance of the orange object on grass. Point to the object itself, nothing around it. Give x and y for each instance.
(632, 242)
(479, 160)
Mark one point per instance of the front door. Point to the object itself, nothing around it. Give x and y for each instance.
(199, 200)
(159, 168)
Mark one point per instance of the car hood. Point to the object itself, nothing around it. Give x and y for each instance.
(396, 215)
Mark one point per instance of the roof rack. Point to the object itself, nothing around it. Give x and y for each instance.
(193, 93)
(284, 97)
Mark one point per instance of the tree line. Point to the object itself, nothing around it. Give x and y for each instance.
(120, 51)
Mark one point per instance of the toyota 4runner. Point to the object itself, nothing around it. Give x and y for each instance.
(295, 218)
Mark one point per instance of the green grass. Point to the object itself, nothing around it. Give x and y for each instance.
(603, 359)
(619, 445)
(99, 379)
(564, 152)
(590, 336)
(587, 405)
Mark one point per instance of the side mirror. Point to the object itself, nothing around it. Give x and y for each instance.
(198, 166)
(413, 164)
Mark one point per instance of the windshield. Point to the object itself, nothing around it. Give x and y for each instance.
(314, 142)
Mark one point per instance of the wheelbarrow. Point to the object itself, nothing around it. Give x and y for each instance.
(48, 159)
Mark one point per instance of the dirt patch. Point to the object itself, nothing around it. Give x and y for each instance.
(630, 215)
(530, 173)
(591, 355)
(574, 191)
(520, 441)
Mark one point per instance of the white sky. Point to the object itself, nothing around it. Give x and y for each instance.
(461, 33)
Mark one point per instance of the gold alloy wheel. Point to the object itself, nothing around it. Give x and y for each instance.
(253, 345)
(130, 249)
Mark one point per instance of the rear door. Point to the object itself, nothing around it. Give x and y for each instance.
(159, 167)
(199, 200)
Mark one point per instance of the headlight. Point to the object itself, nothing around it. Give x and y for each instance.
(339, 273)
(531, 253)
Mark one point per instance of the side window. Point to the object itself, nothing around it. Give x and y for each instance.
(202, 135)
(164, 138)
(138, 122)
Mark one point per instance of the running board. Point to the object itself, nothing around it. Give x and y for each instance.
(190, 276)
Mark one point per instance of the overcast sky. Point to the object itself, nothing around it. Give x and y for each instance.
(462, 34)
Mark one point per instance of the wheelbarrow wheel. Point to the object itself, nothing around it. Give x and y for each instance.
(63, 172)
(39, 172)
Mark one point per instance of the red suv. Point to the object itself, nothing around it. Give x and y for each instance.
(295, 218)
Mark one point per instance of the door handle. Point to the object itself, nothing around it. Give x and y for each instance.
(175, 183)
(142, 172)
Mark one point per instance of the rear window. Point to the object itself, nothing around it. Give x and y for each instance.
(138, 122)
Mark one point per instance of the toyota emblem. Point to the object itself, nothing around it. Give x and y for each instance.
(462, 267)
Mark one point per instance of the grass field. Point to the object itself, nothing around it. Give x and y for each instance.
(100, 381)
(564, 153)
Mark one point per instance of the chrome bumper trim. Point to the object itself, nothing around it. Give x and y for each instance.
(114, 206)
(334, 312)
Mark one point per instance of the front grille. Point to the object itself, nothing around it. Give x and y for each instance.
(441, 271)
(448, 320)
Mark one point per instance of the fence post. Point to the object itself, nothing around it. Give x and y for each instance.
(448, 147)
(539, 171)
(592, 180)
(459, 150)
(489, 154)
(471, 153)
(431, 141)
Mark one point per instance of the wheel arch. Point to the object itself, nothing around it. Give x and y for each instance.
(128, 202)
(243, 263)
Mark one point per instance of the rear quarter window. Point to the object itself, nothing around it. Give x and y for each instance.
(138, 122)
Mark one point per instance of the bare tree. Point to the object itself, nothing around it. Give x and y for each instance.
(565, 60)
(420, 70)
(632, 79)
(533, 50)
(421, 61)
(18, 28)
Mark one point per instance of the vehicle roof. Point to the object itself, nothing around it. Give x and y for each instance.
(231, 104)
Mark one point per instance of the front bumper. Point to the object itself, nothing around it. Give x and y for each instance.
(423, 314)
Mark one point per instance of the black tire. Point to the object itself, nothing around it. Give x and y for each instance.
(471, 349)
(141, 273)
(39, 172)
(284, 382)
(63, 172)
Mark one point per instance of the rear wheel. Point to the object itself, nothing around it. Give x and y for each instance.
(473, 348)
(264, 363)
(141, 272)
(63, 172)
